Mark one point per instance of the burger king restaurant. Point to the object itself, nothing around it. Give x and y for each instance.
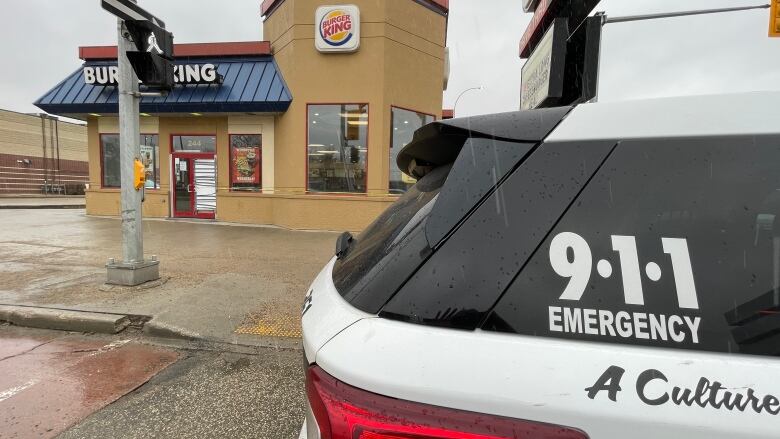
(300, 130)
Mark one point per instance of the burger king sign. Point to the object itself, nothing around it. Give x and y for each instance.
(337, 28)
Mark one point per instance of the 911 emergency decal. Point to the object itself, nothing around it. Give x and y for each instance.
(571, 257)
(653, 388)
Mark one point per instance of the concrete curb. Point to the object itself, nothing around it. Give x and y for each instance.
(64, 320)
(163, 330)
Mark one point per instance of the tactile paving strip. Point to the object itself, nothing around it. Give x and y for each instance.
(278, 324)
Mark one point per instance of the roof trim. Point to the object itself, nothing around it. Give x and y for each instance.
(752, 113)
(168, 108)
(238, 48)
(251, 84)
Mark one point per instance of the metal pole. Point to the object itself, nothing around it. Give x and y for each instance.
(130, 149)
(454, 107)
(45, 160)
(606, 20)
(680, 14)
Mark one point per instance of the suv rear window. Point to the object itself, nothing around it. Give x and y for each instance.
(391, 249)
(392, 246)
(674, 243)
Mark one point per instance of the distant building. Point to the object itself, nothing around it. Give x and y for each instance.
(40, 154)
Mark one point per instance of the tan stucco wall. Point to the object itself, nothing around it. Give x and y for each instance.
(301, 211)
(304, 212)
(400, 62)
(21, 134)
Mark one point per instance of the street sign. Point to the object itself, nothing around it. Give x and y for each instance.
(152, 62)
(543, 72)
(774, 19)
(127, 10)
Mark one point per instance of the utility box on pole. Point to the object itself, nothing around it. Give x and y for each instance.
(145, 50)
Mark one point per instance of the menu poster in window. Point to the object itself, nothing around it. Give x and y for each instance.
(246, 164)
(147, 158)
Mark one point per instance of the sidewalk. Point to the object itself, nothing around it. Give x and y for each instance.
(42, 202)
(229, 283)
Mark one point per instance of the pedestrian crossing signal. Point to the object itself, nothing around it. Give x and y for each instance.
(139, 174)
(153, 61)
(774, 19)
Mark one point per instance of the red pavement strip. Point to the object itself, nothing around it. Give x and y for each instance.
(49, 383)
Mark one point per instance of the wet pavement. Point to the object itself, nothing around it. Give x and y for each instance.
(49, 381)
(239, 288)
(57, 384)
(218, 278)
(210, 395)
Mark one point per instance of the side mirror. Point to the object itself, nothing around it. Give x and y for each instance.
(342, 244)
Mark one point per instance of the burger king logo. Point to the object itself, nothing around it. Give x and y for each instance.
(336, 28)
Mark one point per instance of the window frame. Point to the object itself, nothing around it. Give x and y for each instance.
(103, 164)
(390, 141)
(306, 150)
(230, 165)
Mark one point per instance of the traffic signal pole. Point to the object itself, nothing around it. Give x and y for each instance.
(133, 269)
(130, 149)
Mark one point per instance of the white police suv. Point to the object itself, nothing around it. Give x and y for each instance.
(605, 271)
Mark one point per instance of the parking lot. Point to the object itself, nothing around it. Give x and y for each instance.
(228, 283)
(234, 291)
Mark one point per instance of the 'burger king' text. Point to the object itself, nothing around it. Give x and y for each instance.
(332, 26)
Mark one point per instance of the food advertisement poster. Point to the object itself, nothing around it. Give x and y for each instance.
(246, 164)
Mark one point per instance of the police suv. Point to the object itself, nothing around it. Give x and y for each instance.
(610, 270)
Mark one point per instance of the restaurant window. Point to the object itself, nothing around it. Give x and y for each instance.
(404, 123)
(337, 148)
(150, 156)
(245, 162)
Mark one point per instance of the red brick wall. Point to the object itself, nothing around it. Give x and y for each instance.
(17, 177)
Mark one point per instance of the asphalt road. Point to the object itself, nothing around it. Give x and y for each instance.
(193, 390)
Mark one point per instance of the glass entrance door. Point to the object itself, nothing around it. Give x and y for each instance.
(195, 186)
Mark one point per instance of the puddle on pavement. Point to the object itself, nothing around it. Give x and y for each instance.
(47, 385)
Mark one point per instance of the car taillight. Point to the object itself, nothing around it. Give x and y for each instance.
(345, 412)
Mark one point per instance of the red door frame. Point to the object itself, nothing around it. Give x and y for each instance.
(190, 156)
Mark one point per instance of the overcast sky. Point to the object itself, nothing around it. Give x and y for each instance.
(691, 55)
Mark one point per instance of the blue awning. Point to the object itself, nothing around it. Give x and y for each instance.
(251, 84)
